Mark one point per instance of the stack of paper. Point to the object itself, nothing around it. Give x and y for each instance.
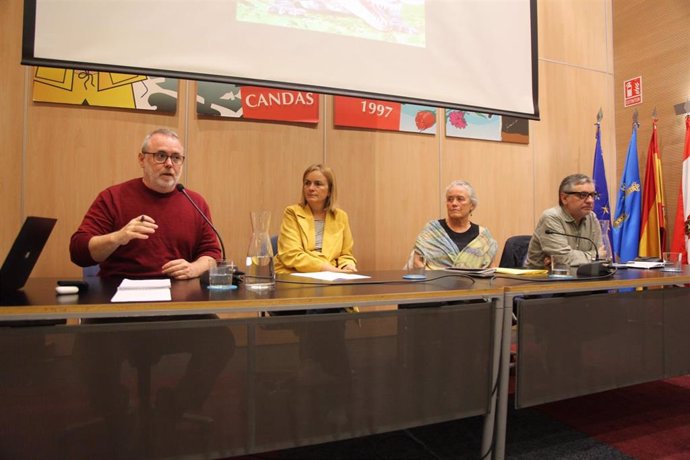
(473, 271)
(331, 276)
(153, 290)
(645, 264)
(521, 271)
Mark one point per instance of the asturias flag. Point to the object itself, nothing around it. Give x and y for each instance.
(653, 236)
(601, 204)
(626, 224)
(681, 230)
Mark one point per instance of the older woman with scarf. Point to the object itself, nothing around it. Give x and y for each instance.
(455, 241)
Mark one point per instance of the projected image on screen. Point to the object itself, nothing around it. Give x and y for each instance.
(393, 21)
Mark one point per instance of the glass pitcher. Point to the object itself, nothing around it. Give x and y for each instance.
(607, 253)
(259, 273)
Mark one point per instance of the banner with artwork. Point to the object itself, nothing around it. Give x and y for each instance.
(385, 115)
(485, 126)
(257, 103)
(104, 89)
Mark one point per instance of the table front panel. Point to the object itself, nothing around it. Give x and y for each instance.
(231, 387)
(677, 331)
(576, 344)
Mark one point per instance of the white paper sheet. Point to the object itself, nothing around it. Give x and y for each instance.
(644, 264)
(157, 283)
(472, 271)
(150, 290)
(142, 295)
(331, 276)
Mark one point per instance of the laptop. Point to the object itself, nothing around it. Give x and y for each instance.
(24, 252)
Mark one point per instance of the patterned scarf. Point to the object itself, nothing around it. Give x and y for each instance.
(441, 252)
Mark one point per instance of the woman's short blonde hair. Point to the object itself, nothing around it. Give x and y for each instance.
(331, 201)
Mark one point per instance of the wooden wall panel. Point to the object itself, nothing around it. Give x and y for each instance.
(652, 40)
(12, 109)
(575, 32)
(565, 136)
(388, 184)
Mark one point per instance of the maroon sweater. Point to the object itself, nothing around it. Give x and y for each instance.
(182, 233)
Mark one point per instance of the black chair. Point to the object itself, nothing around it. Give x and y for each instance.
(274, 244)
(513, 256)
(515, 251)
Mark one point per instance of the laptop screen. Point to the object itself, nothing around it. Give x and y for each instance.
(24, 252)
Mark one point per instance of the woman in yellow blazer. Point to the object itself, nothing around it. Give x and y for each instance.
(314, 234)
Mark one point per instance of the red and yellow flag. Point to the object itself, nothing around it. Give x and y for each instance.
(681, 229)
(653, 230)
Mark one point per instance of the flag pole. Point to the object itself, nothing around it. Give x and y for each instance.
(602, 209)
(653, 229)
(681, 227)
(626, 223)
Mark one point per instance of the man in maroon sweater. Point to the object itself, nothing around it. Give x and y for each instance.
(145, 227)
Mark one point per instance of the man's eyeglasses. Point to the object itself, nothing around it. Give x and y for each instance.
(162, 157)
(584, 195)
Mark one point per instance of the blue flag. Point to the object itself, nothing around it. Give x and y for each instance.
(601, 204)
(626, 224)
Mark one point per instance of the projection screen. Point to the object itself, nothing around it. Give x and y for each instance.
(478, 55)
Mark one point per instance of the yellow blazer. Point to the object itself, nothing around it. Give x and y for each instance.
(297, 241)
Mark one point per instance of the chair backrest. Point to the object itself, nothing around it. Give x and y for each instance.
(515, 251)
(274, 244)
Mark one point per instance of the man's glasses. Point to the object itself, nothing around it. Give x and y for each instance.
(584, 195)
(162, 157)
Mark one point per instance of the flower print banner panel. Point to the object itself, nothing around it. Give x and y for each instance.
(485, 126)
(257, 103)
(105, 89)
(385, 115)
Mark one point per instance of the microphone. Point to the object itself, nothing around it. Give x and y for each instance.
(596, 268)
(180, 188)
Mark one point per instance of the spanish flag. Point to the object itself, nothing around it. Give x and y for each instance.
(653, 230)
(681, 229)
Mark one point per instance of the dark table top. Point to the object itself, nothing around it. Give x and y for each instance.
(38, 299)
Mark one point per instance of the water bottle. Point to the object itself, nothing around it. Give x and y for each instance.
(259, 273)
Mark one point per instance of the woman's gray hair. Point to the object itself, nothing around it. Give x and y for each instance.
(470, 190)
(571, 181)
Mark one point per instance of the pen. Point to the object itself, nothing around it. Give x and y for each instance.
(142, 219)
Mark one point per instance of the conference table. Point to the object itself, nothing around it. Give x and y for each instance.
(87, 378)
(582, 336)
(214, 374)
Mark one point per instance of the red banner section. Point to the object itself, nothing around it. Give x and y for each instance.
(366, 113)
(279, 104)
